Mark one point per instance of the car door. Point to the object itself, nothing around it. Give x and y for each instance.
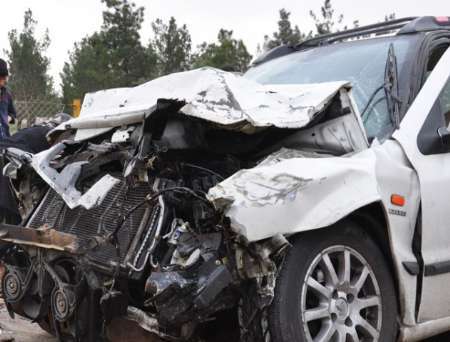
(430, 157)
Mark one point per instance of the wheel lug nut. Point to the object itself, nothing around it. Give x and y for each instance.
(333, 316)
(348, 322)
(350, 298)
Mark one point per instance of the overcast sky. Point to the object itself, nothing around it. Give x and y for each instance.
(70, 20)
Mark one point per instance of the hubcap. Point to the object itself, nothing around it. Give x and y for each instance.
(341, 299)
(341, 306)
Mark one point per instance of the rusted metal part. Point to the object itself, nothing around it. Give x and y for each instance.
(43, 238)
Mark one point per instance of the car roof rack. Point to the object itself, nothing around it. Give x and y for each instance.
(407, 25)
(379, 28)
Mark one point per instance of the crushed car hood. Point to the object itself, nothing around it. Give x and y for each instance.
(217, 96)
(231, 102)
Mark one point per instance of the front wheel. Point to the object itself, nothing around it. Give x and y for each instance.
(335, 285)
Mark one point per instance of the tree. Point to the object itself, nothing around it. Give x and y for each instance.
(228, 54)
(128, 58)
(172, 46)
(29, 65)
(113, 57)
(286, 35)
(326, 21)
(88, 69)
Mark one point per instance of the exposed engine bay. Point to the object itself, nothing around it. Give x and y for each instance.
(131, 218)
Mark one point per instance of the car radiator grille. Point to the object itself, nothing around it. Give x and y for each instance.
(103, 219)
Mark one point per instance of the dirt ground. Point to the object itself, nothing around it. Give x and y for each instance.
(21, 330)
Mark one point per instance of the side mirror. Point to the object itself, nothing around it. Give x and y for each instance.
(444, 134)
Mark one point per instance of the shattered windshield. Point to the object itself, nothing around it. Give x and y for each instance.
(360, 62)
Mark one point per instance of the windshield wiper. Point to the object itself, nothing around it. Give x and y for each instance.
(390, 87)
(372, 97)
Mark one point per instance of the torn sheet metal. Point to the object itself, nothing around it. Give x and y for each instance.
(210, 94)
(64, 182)
(290, 192)
(339, 136)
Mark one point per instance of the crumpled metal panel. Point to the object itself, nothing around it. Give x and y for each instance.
(210, 94)
(292, 191)
(64, 182)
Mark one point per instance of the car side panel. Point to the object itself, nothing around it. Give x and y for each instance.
(434, 177)
(395, 176)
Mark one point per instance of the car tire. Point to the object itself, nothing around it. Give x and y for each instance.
(355, 303)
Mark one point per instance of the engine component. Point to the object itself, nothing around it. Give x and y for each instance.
(63, 301)
(113, 304)
(163, 284)
(193, 281)
(174, 293)
(213, 283)
(13, 286)
(150, 239)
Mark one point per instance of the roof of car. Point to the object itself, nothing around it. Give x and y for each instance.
(403, 26)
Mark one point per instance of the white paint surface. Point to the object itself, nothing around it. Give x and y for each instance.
(210, 94)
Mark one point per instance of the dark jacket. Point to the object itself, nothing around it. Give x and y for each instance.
(32, 140)
(6, 109)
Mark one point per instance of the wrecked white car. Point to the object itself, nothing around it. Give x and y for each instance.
(305, 201)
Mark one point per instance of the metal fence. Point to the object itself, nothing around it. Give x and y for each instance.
(35, 111)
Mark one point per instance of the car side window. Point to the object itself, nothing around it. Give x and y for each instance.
(428, 139)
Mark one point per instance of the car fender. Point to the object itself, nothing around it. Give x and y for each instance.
(292, 191)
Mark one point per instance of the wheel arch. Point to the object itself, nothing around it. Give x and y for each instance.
(373, 220)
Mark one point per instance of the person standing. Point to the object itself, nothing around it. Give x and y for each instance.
(7, 110)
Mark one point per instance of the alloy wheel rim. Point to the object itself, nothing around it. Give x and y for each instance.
(341, 299)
